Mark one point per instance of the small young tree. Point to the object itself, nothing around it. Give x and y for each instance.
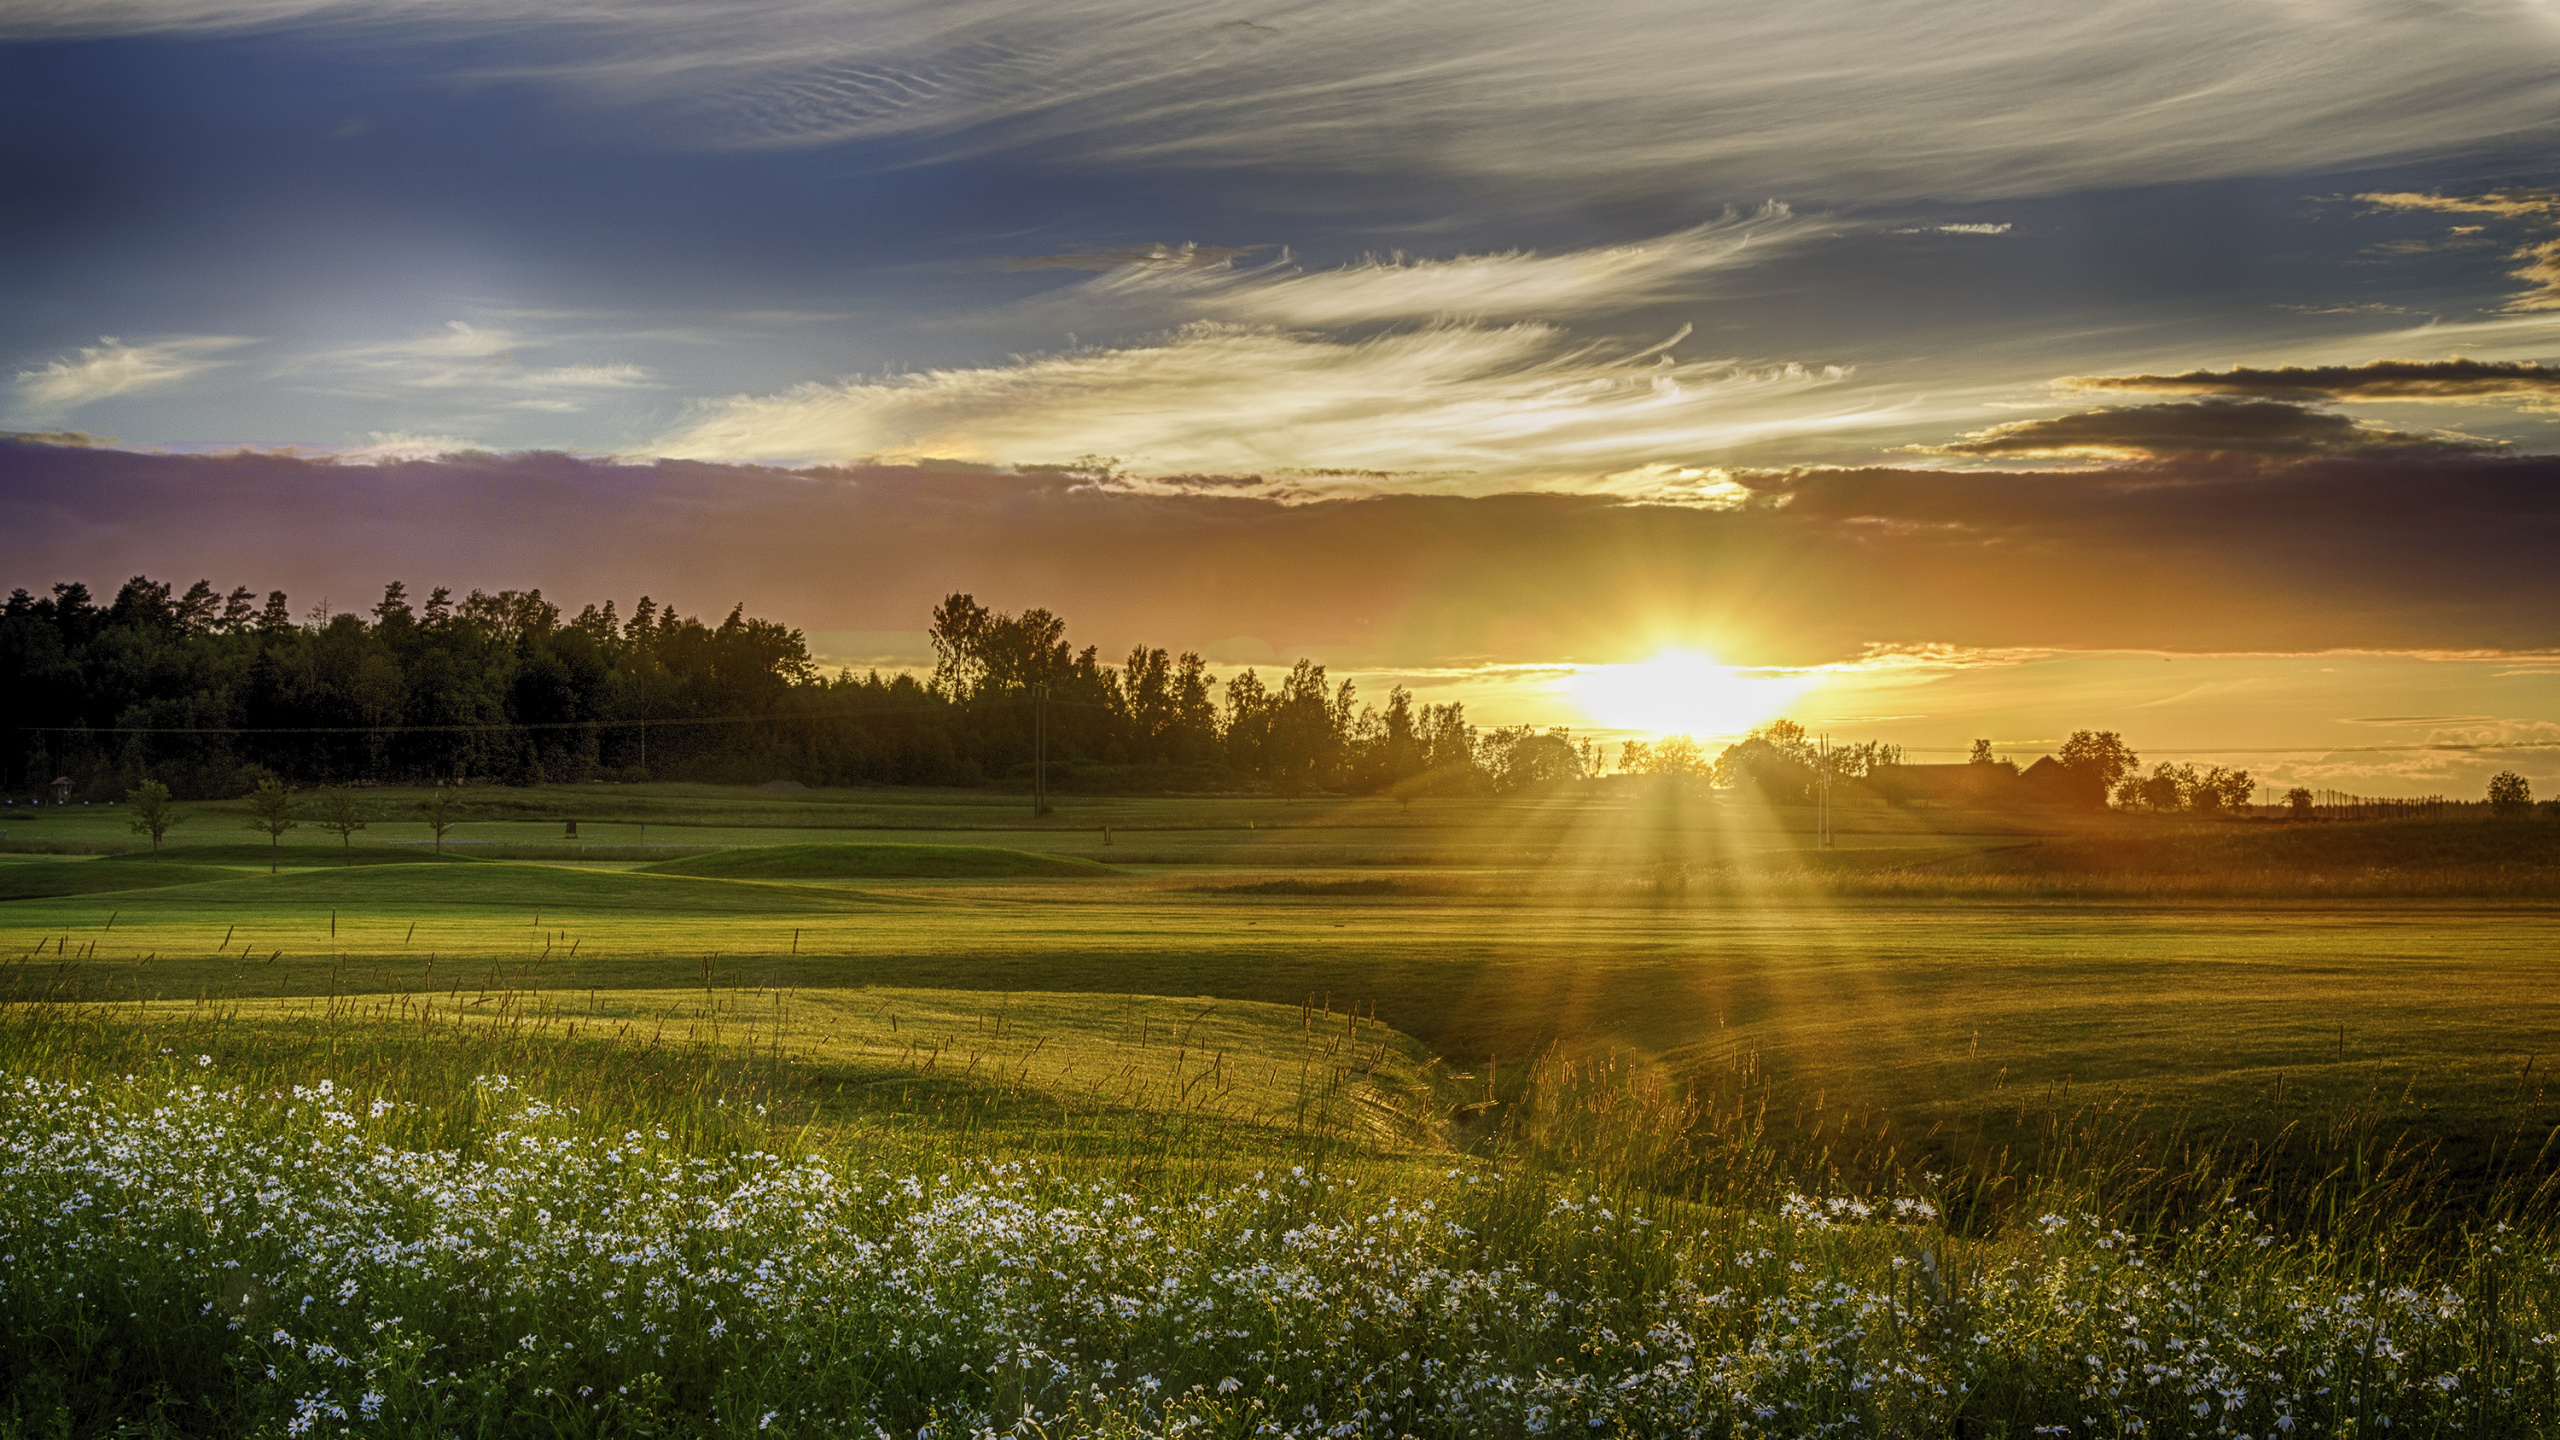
(341, 816)
(2510, 793)
(151, 813)
(2298, 800)
(442, 814)
(271, 812)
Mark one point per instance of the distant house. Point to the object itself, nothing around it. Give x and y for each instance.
(1965, 786)
(2050, 782)
(1997, 786)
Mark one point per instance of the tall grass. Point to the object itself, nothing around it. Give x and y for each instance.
(220, 1222)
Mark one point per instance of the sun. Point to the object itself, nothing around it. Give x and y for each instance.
(1682, 692)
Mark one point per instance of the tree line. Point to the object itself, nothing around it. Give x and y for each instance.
(212, 694)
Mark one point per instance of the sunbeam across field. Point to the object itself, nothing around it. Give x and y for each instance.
(1115, 721)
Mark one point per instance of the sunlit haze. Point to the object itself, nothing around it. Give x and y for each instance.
(1955, 373)
(1682, 692)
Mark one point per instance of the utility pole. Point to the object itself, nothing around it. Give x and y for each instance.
(1822, 802)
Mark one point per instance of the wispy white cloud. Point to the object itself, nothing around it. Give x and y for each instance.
(2501, 203)
(1519, 401)
(479, 360)
(458, 340)
(459, 354)
(2488, 733)
(111, 367)
(1705, 486)
(1997, 97)
(1187, 255)
(387, 447)
(1923, 662)
(589, 377)
(1511, 285)
(2541, 255)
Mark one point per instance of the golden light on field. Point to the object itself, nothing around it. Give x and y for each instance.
(1683, 692)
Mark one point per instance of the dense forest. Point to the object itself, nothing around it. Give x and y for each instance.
(209, 692)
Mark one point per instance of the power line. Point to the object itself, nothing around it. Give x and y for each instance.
(1031, 699)
(480, 729)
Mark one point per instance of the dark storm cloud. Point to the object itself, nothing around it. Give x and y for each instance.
(2410, 551)
(2439, 380)
(76, 439)
(2217, 426)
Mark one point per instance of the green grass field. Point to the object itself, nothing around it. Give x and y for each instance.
(846, 861)
(1685, 997)
(1881, 985)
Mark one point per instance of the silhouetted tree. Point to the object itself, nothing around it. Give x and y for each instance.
(1518, 758)
(1776, 759)
(2510, 793)
(2097, 762)
(151, 813)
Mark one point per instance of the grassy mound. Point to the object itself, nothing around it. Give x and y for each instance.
(875, 862)
(49, 879)
(1364, 885)
(2173, 848)
(290, 856)
(493, 884)
(2474, 858)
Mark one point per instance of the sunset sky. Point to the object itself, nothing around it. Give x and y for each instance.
(1954, 369)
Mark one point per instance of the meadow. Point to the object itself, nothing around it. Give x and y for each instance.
(1617, 1111)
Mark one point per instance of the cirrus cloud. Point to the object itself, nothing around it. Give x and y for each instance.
(1517, 284)
(474, 361)
(1522, 402)
(2001, 97)
(2541, 268)
(1178, 257)
(2500, 203)
(111, 367)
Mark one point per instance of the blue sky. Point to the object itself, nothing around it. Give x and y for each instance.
(1307, 254)
(324, 224)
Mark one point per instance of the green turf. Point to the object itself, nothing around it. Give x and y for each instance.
(372, 892)
(1698, 937)
(2202, 847)
(48, 879)
(252, 854)
(842, 861)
